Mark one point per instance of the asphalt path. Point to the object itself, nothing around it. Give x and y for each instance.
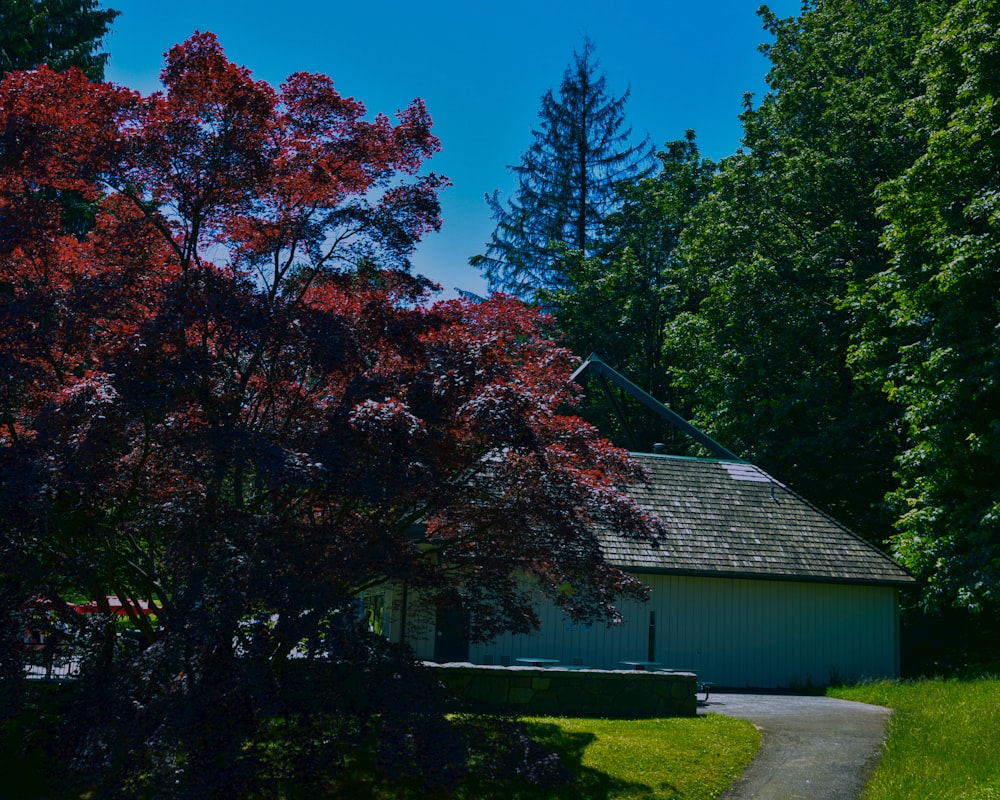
(815, 748)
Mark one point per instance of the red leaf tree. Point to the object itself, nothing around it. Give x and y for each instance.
(223, 392)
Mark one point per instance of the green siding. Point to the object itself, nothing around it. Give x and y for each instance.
(735, 632)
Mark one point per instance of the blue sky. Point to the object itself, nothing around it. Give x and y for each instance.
(482, 69)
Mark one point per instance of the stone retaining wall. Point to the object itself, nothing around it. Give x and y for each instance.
(572, 692)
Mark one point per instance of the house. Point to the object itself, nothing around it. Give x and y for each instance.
(752, 586)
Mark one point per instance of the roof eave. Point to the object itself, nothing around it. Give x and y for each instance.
(899, 583)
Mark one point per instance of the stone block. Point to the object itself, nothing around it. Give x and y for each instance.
(488, 688)
(632, 701)
(520, 696)
(617, 693)
(573, 699)
(546, 703)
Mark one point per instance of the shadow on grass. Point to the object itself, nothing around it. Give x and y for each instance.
(518, 770)
(589, 784)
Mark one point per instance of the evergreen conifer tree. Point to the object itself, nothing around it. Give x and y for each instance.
(60, 33)
(566, 183)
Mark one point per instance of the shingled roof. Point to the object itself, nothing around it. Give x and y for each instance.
(732, 519)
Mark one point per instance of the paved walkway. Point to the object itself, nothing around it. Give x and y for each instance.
(814, 748)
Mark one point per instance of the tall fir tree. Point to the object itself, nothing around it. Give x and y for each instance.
(60, 33)
(566, 183)
(621, 299)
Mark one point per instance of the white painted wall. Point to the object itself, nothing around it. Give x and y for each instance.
(737, 633)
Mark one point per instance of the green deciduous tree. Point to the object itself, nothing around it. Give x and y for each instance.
(60, 33)
(566, 183)
(933, 340)
(786, 233)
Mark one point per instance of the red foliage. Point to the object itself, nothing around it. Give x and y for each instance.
(212, 396)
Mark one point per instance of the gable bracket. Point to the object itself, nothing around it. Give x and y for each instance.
(606, 373)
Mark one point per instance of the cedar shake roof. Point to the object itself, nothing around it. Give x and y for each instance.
(732, 519)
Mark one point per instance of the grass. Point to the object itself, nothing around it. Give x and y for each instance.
(675, 759)
(943, 744)
(647, 759)
(943, 740)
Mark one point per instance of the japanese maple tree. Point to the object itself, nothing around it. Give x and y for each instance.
(223, 392)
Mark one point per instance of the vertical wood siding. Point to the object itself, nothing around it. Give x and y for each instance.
(419, 616)
(737, 633)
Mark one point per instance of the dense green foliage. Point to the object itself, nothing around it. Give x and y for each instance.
(788, 230)
(830, 298)
(932, 342)
(566, 183)
(943, 740)
(60, 33)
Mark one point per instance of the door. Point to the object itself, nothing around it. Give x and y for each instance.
(451, 635)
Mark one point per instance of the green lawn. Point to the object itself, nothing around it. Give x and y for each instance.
(648, 759)
(677, 758)
(669, 759)
(943, 741)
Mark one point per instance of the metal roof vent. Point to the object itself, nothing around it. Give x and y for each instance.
(659, 448)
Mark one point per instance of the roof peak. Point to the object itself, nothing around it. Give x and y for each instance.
(675, 457)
